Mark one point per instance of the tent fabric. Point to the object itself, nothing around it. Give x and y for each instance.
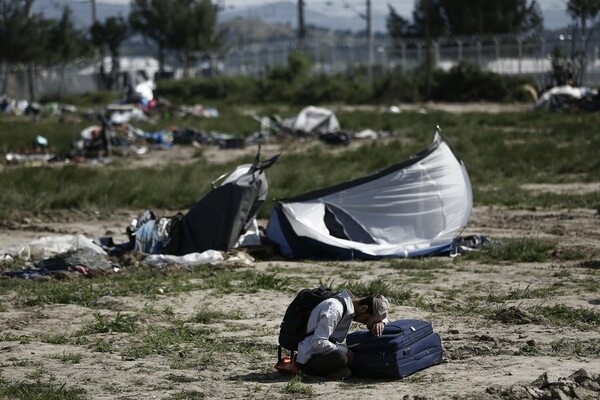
(226, 212)
(409, 209)
(312, 120)
(217, 220)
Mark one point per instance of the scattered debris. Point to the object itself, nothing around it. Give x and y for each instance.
(579, 385)
(568, 98)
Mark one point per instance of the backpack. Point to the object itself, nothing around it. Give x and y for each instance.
(295, 320)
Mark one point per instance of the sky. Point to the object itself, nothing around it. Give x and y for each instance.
(553, 10)
(337, 6)
(402, 6)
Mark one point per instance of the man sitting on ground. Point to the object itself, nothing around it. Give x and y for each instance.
(321, 353)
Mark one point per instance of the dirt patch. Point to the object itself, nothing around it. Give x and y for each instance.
(563, 188)
(485, 358)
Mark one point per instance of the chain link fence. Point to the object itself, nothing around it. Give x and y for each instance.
(508, 55)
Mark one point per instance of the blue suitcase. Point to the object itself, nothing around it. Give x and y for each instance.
(405, 347)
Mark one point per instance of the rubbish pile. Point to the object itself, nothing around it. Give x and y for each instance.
(10, 106)
(581, 384)
(414, 208)
(114, 133)
(224, 219)
(569, 99)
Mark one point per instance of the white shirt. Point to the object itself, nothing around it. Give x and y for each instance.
(329, 326)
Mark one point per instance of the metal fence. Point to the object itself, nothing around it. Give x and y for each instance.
(508, 55)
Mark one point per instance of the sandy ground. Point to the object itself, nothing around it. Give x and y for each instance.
(483, 357)
(480, 353)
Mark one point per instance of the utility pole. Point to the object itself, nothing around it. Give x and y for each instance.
(427, 48)
(93, 11)
(369, 43)
(301, 27)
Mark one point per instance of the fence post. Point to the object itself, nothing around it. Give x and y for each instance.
(317, 51)
(332, 57)
(384, 63)
(497, 48)
(270, 58)
(520, 49)
(542, 48)
(403, 55)
(543, 53)
(460, 49)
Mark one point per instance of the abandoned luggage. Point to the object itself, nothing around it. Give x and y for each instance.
(405, 347)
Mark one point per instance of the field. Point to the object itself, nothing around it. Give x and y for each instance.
(528, 305)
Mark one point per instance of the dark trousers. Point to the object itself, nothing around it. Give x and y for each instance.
(323, 364)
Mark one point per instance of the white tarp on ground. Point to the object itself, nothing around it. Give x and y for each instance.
(212, 257)
(312, 120)
(191, 259)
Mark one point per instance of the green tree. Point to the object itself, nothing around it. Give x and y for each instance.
(581, 11)
(437, 22)
(110, 35)
(66, 43)
(482, 17)
(193, 30)
(153, 20)
(23, 37)
(398, 27)
(468, 17)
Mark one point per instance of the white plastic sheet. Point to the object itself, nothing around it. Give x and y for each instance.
(49, 246)
(192, 259)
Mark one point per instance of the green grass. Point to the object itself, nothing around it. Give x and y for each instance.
(139, 281)
(295, 387)
(513, 250)
(524, 293)
(421, 264)
(558, 314)
(180, 378)
(207, 316)
(563, 315)
(58, 339)
(23, 390)
(102, 346)
(103, 324)
(187, 395)
(501, 152)
(273, 281)
(85, 292)
(71, 358)
(393, 294)
(167, 340)
(22, 339)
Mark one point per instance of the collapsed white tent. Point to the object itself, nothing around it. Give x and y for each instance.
(312, 120)
(414, 208)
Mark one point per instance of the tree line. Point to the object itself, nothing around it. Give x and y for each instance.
(184, 28)
(188, 28)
